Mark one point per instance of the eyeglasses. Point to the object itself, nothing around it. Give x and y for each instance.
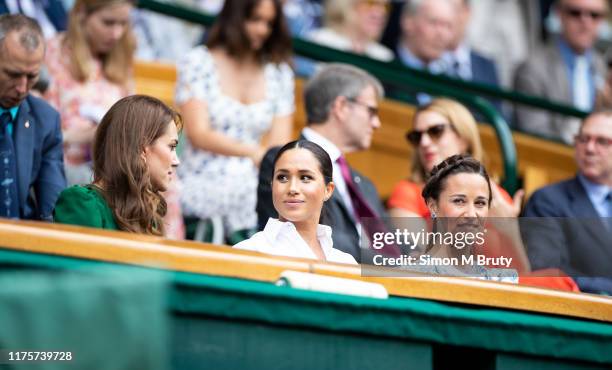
(373, 3)
(372, 111)
(435, 132)
(579, 13)
(601, 142)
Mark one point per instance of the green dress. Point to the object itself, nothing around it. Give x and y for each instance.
(84, 206)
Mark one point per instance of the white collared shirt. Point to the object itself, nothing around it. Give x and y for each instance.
(334, 153)
(282, 239)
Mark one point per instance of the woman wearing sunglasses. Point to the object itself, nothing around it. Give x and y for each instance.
(441, 129)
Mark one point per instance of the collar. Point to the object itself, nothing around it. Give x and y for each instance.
(274, 227)
(596, 192)
(411, 60)
(331, 148)
(13, 111)
(569, 56)
(462, 54)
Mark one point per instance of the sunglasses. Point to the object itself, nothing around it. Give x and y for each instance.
(435, 132)
(579, 13)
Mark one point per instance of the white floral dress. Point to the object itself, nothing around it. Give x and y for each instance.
(219, 185)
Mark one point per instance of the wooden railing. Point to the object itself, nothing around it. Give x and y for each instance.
(124, 248)
(541, 162)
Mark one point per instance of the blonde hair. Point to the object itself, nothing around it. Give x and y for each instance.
(337, 13)
(462, 122)
(117, 64)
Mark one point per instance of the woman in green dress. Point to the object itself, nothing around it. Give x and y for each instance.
(134, 158)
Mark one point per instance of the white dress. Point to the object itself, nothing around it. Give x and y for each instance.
(218, 185)
(282, 239)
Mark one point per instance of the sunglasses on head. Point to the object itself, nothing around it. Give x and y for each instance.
(579, 13)
(435, 132)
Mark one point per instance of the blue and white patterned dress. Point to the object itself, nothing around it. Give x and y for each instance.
(219, 185)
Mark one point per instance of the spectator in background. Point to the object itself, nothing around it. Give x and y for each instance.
(91, 68)
(233, 91)
(462, 61)
(164, 38)
(575, 232)
(341, 104)
(50, 14)
(356, 26)
(568, 70)
(427, 32)
(32, 172)
(134, 158)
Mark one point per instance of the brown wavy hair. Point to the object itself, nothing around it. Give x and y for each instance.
(229, 32)
(117, 64)
(120, 170)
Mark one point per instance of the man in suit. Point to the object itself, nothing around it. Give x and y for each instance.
(567, 70)
(426, 31)
(341, 104)
(31, 154)
(576, 227)
(461, 60)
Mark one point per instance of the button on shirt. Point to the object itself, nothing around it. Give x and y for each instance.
(282, 239)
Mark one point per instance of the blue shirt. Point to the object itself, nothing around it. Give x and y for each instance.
(408, 58)
(569, 59)
(13, 111)
(597, 194)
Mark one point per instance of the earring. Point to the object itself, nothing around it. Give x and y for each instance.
(433, 215)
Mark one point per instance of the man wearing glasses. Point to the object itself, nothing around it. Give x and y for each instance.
(576, 232)
(568, 70)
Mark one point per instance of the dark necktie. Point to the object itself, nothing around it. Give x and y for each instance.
(9, 198)
(364, 213)
(609, 218)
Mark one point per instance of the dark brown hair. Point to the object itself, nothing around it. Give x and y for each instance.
(120, 170)
(456, 164)
(229, 32)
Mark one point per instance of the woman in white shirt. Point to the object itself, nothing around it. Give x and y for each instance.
(301, 183)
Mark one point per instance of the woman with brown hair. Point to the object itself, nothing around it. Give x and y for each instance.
(134, 158)
(90, 67)
(234, 91)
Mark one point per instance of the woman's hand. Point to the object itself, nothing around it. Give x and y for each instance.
(501, 208)
(257, 155)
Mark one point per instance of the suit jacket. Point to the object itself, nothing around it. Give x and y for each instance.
(570, 234)
(40, 158)
(544, 74)
(335, 213)
(54, 9)
(483, 69)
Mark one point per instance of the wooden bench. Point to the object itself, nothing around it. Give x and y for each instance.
(541, 162)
